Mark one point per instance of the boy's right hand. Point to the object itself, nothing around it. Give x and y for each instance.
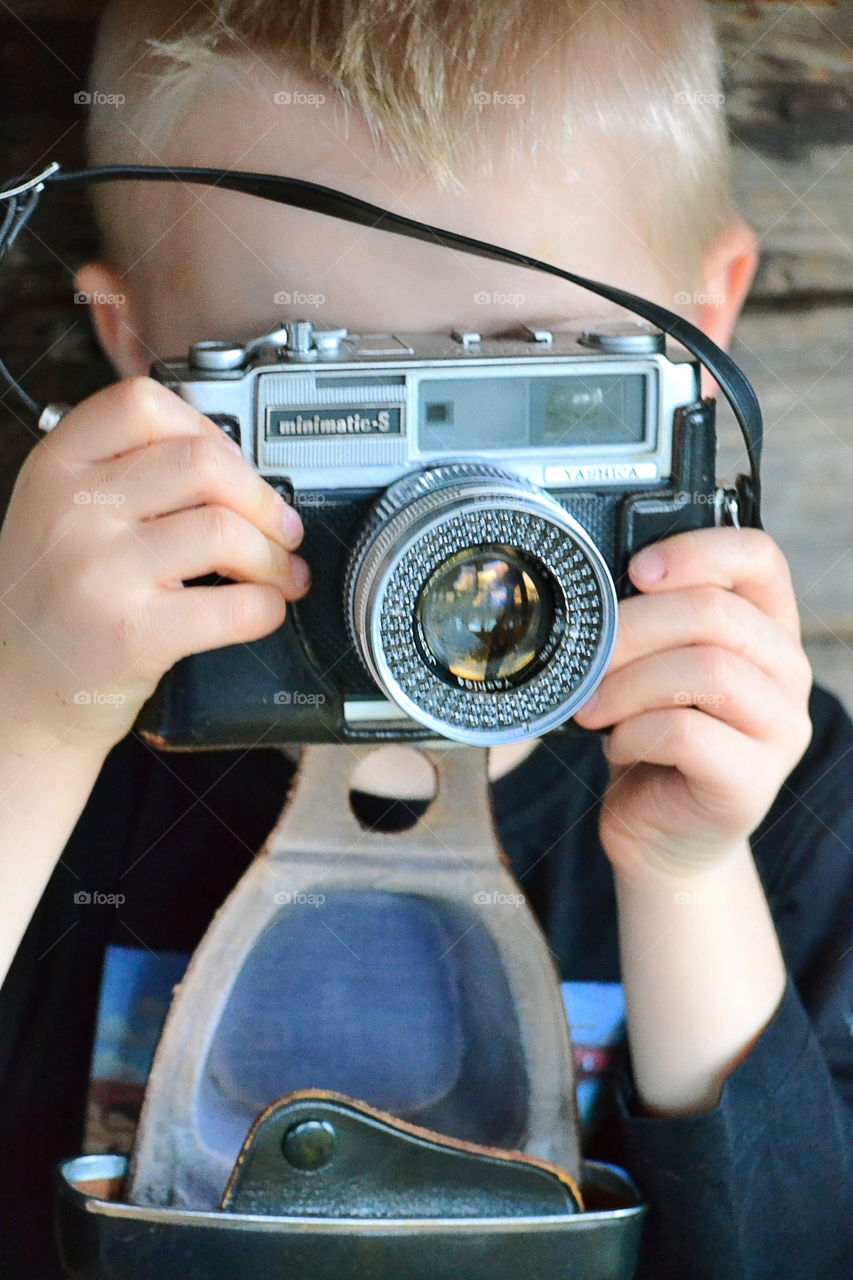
(131, 493)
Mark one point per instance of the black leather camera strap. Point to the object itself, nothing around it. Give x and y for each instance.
(732, 381)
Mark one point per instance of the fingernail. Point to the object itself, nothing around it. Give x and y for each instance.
(291, 523)
(648, 565)
(232, 444)
(300, 571)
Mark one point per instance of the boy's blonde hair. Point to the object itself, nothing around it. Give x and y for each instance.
(453, 88)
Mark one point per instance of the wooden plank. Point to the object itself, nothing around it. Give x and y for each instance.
(800, 210)
(789, 102)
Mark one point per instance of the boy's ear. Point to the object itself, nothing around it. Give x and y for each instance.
(728, 266)
(112, 315)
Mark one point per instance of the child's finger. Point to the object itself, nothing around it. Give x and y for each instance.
(747, 561)
(708, 615)
(124, 416)
(709, 753)
(196, 619)
(718, 682)
(214, 539)
(189, 471)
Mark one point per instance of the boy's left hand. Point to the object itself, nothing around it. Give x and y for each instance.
(707, 692)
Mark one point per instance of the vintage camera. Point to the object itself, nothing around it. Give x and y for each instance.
(469, 508)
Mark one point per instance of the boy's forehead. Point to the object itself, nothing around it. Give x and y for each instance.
(244, 262)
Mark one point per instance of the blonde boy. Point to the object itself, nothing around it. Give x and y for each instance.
(588, 134)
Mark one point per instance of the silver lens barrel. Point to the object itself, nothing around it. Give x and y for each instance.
(472, 560)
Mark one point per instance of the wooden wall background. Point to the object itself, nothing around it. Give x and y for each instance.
(789, 97)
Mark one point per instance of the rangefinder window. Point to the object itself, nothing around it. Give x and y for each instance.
(543, 412)
(588, 411)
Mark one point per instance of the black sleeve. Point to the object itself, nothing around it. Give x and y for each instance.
(761, 1186)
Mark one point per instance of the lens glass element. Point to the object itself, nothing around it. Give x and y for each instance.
(485, 615)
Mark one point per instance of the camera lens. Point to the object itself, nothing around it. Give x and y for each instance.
(478, 604)
(484, 615)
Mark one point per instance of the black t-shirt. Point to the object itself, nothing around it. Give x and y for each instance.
(758, 1188)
